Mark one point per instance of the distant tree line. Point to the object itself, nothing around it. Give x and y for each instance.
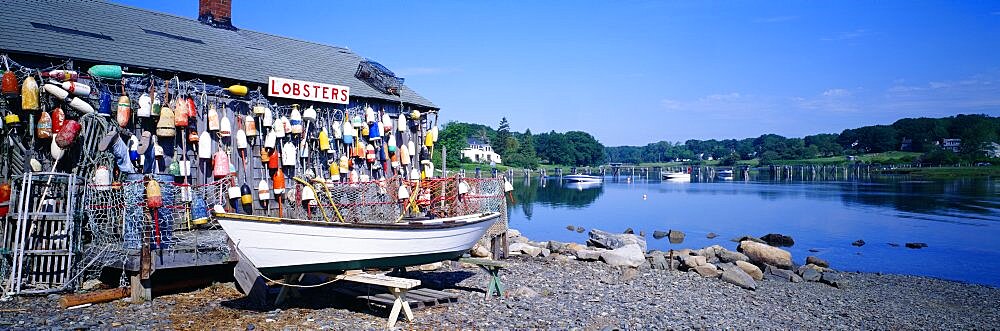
(523, 150)
(922, 135)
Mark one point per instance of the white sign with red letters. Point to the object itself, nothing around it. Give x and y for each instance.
(303, 90)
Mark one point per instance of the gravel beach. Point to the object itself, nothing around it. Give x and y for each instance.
(559, 293)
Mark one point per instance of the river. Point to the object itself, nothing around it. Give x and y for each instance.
(959, 220)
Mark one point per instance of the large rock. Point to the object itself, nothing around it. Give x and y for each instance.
(707, 271)
(523, 293)
(658, 261)
(817, 261)
(747, 237)
(521, 248)
(786, 275)
(738, 277)
(764, 254)
(588, 255)
(604, 239)
(629, 255)
(479, 251)
(659, 234)
(694, 261)
(751, 270)
(859, 242)
(810, 274)
(833, 279)
(518, 240)
(431, 266)
(675, 236)
(916, 245)
(511, 233)
(728, 256)
(778, 240)
(711, 235)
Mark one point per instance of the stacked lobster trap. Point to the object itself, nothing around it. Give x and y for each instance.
(137, 163)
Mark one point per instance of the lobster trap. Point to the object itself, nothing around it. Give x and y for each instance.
(379, 77)
(40, 239)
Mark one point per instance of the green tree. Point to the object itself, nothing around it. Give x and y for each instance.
(502, 137)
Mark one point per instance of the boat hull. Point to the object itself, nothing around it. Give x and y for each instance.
(276, 246)
(583, 179)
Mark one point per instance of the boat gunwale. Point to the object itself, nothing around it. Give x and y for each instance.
(482, 217)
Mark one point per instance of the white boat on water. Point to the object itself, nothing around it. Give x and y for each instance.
(676, 176)
(725, 174)
(583, 178)
(285, 246)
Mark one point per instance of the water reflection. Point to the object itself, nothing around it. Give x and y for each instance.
(553, 193)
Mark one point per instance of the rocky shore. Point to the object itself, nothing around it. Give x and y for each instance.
(610, 283)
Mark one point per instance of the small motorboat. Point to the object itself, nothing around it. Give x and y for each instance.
(583, 178)
(725, 174)
(676, 176)
(287, 246)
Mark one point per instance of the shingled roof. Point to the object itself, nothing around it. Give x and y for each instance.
(110, 33)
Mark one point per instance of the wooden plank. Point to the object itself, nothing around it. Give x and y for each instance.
(93, 297)
(481, 261)
(382, 280)
(251, 282)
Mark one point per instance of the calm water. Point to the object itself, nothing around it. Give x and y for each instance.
(958, 219)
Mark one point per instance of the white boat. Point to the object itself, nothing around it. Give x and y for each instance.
(286, 246)
(725, 174)
(583, 178)
(676, 176)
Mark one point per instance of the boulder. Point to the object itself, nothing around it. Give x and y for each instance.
(817, 261)
(711, 235)
(630, 255)
(778, 240)
(659, 234)
(580, 229)
(658, 261)
(683, 252)
(694, 261)
(810, 274)
(751, 270)
(629, 231)
(519, 248)
(479, 251)
(916, 245)
(588, 255)
(833, 279)
(545, 252)
(786, 275)
(573, 247)
(707, 271)
(747, 237)
(738, 277)
(518, 240)
(556, 247)
(858, 243)
(675, 236)
(728, 256)
(764, 254)
(511, 233)
(726, 266)
(571, 227)
(603, 239)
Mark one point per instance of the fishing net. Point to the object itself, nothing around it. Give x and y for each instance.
(379, 77)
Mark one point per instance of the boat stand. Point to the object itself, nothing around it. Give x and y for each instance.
(492, 269)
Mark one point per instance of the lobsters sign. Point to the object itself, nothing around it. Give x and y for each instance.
(303, 90)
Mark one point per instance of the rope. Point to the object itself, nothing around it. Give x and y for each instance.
(299, 286)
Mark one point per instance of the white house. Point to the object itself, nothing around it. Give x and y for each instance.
(480, 152)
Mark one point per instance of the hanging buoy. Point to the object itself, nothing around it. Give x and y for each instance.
(392, 143)
(108, 71)
(56, 152)
(62, 75)
(29, 94)
(374, 133)
(4, 199)
(286, 125)
(463, 187)
(348, 133)
(337, 130)
(415, 115)
(154, 197)
(434, 133)
(309, 114)
(279, 182)
(308, 194)
(205, 146)
(411, 148)
(365, 129)
(288, 159)
(414, 174)
(394, 160)
(75, 103)
(344, 165)
(225, 126)
(296, 120)
(220, 164)
(274, 161)
(145, 106)
(192, 110)
(104, 108)
(250, 126)
(259, 109)
(270, 139)
(124, 113)
(370, 153)
(386, 123)
(369, 114)
(241, 139)
(193, 137)
(324, 141)
(9, 84)
(356, 121)
(234, 197)
(304, 152)
(428, 141)
(66, 136)
(403, 192)
(246, 197)
(264, 156)
(133, 149)
(58, 118)
(268, 119)
(401, 123)
(181, 113)
(279, 127)
(12, 119)
(165, 126)
(157, 105)
(213, 118)
(77, 89)
(238, 90)
(35, 165)
(43, 129)
(263, 192)
(404, 155)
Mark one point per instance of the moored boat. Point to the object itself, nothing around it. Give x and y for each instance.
(725, 174)
(676, 176)
(284, 246)
(583, 178)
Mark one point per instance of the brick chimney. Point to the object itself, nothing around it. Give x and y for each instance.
(217, 13)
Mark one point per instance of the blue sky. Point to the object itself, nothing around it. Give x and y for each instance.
(634, 72)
